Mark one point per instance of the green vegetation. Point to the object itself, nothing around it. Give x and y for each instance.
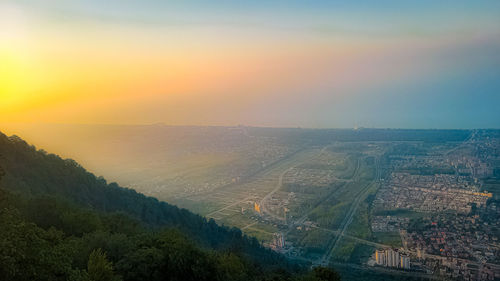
(361, 253)
(259, 234)
(400, 213)
(370, 274)
(60, 222)
(112, 247)
(313, 242)
(388, 238)
(99, 268)
(332, 211)
(34, 173)
(347, 169)
(361, 224)
(344, 250)
(115, 248)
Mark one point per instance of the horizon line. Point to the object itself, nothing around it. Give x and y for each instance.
(242, 125)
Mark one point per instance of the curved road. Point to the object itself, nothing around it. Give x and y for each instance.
(278, 186)
(262, 202)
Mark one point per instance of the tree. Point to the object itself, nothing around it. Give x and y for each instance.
(142, 264)
(99, 268)
(231, 267)
(325, 274)
(2, 172)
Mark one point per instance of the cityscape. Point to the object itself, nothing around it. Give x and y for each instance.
(404, 203)
(426, 207)
(277, 140)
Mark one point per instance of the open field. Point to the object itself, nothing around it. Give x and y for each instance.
(317, 197)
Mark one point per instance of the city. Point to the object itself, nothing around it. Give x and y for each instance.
(420, 211)
(340, 198)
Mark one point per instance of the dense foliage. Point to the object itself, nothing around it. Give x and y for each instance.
(44, 238)
(33, 173)
(60, 222)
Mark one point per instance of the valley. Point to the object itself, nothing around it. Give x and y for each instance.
(335, 197)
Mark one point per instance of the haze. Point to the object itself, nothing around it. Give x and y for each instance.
(431, 64)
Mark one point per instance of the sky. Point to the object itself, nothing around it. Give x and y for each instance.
(319, 64)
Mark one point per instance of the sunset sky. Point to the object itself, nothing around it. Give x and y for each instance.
(428, 64)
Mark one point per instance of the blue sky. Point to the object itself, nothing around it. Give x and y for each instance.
(414, 64)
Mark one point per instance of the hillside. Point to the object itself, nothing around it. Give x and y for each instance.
(61, 216)
(34, 173)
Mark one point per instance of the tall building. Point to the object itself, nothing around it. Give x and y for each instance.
(404, 262)
(278, 241)
(392, 258)
(380, 257)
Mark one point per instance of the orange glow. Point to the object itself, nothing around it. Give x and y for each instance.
(58, 79)
(111, 73)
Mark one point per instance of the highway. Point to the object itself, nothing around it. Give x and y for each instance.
(349, 217)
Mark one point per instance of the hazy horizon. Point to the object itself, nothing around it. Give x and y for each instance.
(11, 126)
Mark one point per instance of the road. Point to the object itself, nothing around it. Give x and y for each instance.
(349, 217)
(469, 140)
(262, 203)
(326, 198)
(247, 178)
(360, 240)
(386, 270)
(249, 225)
(412, 274)
(228, 206)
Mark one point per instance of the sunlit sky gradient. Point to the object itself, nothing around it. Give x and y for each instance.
(424, 64)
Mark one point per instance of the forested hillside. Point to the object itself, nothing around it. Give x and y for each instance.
(60, 222)
(33, 173)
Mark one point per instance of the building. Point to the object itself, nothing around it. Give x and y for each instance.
(256, 207)
(392, 258)
(278, 241)
(380, 257)
(420, 253)
(404, 262)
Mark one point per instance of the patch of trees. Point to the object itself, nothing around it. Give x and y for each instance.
(60, 222)
(44, 238)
